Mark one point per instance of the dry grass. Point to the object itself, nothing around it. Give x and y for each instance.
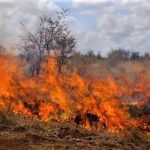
(18, 133)
(102, 68)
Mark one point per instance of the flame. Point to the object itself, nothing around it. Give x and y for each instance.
(67, 97)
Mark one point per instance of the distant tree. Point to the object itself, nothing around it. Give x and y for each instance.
(147, 56)
(135, 55)
(99, 55)
(51, 36)
(90, 54)
(117, 55)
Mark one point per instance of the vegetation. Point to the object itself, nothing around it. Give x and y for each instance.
(19, 133)
(116, 63)
(53, 97)
(50, 37)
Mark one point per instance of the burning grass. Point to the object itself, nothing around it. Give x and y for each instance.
(91, 103)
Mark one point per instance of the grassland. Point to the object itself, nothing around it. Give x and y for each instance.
(18, 133)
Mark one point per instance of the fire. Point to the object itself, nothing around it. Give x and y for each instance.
(67, 97)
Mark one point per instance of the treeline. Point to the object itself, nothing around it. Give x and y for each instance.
(118, 62)
(116, 54)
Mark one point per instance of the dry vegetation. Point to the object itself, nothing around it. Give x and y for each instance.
(113, 65)
(23, 128)
(52, 98)
(19, 133)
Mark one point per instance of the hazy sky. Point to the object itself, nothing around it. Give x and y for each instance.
(99, 25)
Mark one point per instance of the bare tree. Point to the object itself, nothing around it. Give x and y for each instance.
(50, 35)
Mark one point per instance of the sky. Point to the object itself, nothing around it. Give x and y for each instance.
(98, 25)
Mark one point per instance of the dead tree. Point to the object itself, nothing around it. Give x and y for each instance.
(50, 34)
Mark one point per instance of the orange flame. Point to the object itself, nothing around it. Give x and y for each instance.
(90, 103)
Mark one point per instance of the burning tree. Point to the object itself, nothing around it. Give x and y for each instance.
(50, 37)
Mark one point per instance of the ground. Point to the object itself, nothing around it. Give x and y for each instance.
(18, 133)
